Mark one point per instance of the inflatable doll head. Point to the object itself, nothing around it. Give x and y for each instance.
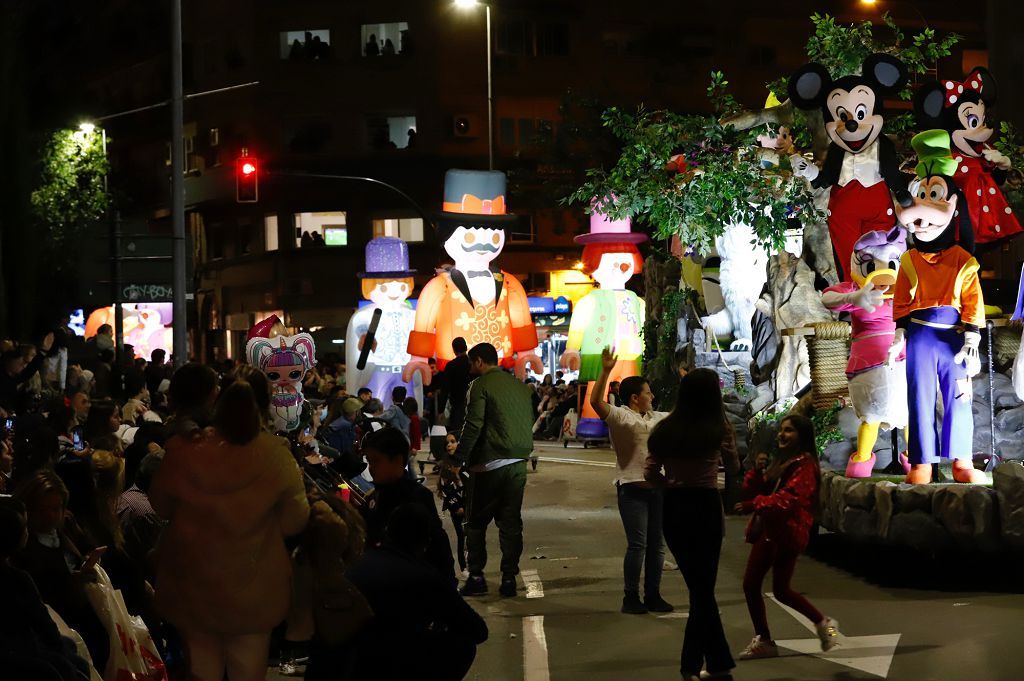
(474, 220)
(387, 281)
(610, 254)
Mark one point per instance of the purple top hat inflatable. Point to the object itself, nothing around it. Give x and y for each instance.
(387, 257)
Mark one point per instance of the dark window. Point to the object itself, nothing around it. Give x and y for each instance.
(507, 132)
(311, 138)
(553, 40)
(526, 131)
(515, 37)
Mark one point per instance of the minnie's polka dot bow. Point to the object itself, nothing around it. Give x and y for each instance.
(954, 89)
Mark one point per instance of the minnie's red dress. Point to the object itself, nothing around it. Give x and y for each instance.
(991, 216)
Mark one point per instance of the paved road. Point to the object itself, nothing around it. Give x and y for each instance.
(574, 632)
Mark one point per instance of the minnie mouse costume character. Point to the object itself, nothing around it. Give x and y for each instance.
(961, 110)
(938, 307)
(860, 157)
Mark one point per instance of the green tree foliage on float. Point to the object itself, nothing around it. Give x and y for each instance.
(721, 183)
(70, 196)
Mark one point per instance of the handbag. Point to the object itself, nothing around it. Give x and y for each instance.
(133, 654)
(339, 609)
(755, 528)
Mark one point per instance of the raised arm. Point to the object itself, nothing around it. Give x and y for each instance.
(599, 395)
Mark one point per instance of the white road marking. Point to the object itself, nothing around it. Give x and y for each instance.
(578, 462)
(567, 558)
(534, 587)
(677, 615)
(535, 649)
(871, 654)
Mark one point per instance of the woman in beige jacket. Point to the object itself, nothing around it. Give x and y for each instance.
(230, 495)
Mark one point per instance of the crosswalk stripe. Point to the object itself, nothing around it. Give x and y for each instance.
(534, 587)
(535, 650)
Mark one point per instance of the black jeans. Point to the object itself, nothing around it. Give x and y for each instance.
(495, 496)
(694, 528)
(641, 513)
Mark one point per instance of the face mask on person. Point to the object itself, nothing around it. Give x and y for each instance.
(323, 414)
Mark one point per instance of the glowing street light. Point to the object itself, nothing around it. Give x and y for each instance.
(466, 5)
(87, 128)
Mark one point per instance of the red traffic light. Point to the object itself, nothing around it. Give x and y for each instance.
(246, 179)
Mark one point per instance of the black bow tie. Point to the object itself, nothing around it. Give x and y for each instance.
(480, 273)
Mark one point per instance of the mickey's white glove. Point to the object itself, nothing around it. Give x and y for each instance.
(997, 158)
(867, 298)
(896, 348)
(968, 355)
(803, 168)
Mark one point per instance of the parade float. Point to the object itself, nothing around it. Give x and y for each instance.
(844, 316)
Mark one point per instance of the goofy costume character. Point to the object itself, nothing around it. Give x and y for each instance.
(939, 310)
(471, 300)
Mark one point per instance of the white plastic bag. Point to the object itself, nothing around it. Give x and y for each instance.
(83, 652)
(133, 654)
(569, 423)
(1018, 371)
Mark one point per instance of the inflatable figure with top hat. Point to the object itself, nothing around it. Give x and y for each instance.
(612, 316)
(473, 300)
(387, 283)
(938, 309)
(285, 360)
(963, 109)
(861, 167)
(878, 389)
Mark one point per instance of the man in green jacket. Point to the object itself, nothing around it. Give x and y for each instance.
(496, 441)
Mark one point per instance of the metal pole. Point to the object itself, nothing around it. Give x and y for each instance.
(117, 285)
(490, 96)
(992, 460)
(180, 333)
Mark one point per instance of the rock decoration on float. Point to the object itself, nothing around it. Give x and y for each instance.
(387, 283)
(878, 389)
(938, 308)
(285, 360)
(472, 300)
(611, 316)
(861, 167)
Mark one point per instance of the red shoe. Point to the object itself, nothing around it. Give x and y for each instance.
(860, 469)
(919, 474)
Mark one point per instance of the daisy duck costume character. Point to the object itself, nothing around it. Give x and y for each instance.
(473, 300)
(861, 167)
(611, 316)
(387, 283)
(962, 110)
(938, 308)
(285, 361)
(878, 389)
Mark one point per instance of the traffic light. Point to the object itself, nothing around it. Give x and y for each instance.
(247, 179)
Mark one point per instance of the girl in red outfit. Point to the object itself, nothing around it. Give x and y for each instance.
(784, 509)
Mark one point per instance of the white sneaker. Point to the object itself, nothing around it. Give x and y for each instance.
(828, 633)
(669, 565)
(758, 649)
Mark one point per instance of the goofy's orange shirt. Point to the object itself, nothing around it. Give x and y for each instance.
(446, 310)
(948, 278)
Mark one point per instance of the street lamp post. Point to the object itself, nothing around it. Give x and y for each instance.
(469, 4)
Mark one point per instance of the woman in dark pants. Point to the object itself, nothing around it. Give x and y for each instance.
(685, 450)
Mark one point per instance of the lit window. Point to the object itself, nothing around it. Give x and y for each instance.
(392, 132)
(313, 230)
(385, 40)
(270, 232)
(407, 229)
(306, 45)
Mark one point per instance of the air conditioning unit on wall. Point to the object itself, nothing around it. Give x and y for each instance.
(466, 126)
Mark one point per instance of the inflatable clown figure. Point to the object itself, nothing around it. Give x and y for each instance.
(939, 309)
(285, 361)
(611, 317)
(473, 300)
(878, 390)
(387, 284)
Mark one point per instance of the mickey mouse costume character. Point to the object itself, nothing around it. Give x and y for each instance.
(860, 157)
(938, 308)
(961, 109)
(472, 300)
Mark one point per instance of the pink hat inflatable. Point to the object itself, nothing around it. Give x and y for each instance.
(604, 230)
